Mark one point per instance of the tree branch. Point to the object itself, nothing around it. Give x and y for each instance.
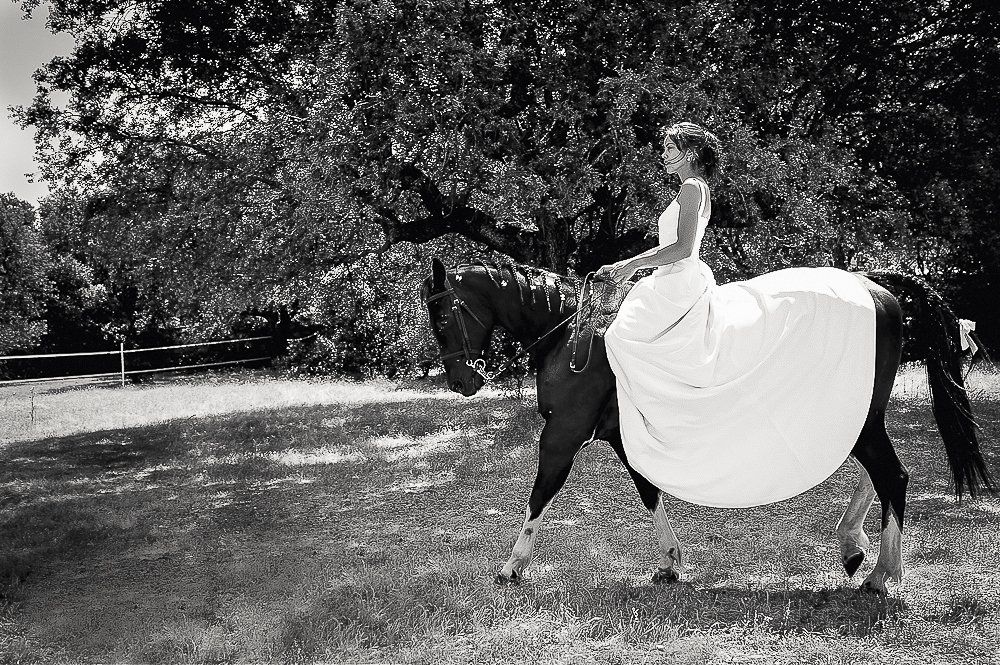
(162, 139)
(449, 214)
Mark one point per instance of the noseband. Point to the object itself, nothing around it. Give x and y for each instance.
(473, 357)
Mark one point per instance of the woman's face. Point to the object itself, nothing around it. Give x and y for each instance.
(672, 156)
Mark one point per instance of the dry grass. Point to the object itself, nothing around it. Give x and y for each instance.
(57, 409)
(283, 521)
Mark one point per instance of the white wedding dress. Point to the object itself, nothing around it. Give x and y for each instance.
(746, 393)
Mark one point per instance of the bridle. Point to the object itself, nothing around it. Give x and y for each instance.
(474, 357)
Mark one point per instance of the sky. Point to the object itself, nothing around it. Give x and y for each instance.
(24, 47)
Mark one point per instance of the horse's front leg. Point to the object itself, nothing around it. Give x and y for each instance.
(559, 442)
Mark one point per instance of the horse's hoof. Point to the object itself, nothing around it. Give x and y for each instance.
(853, 562)
(503, 580)
(665, 576)
(870, 587)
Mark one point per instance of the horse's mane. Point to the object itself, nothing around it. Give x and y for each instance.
(535, 286)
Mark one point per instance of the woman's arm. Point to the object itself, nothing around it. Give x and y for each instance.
(689, 199)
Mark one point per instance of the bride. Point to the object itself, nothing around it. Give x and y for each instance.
(739, 394)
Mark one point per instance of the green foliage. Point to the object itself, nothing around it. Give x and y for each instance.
(111, 288)
(24, 283)
(371, 317)
(216, 156)
(78, 311)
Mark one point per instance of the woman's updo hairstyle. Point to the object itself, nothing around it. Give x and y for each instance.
(703, 144)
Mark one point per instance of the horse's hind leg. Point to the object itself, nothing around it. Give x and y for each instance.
(889, 478)
(851, 528)
(670, 567)
(873, 449)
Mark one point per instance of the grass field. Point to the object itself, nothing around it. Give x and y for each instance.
(254, 519)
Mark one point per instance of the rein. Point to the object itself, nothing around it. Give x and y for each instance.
(478, 364)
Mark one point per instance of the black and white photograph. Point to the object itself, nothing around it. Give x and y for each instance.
(485, 332)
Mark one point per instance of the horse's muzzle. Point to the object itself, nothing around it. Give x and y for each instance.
(467, 387)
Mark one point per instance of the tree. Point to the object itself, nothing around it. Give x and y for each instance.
(287, 139)
(24, 284)
(231, 154)
(909, 88)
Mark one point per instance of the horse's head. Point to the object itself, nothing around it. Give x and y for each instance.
(462, 324)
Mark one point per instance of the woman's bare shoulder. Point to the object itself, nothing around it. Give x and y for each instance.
(691, 191)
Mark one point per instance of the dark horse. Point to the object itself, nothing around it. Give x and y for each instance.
(466, 304)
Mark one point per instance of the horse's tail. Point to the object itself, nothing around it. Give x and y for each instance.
(934, 330)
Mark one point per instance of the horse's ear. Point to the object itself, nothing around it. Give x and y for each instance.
(437, 274)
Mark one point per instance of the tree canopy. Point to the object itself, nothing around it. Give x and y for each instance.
(217, 154)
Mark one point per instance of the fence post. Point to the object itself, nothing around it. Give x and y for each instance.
(121, 353)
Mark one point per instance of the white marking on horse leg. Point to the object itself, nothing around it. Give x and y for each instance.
(851, 527)
(524, 548)
(671, 564)
(889, 565)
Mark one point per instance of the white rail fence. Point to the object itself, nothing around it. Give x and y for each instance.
(122, 352)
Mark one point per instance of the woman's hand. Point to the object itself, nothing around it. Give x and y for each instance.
(618, 272)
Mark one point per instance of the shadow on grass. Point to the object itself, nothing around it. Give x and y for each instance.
(839, 611)
(384, 614)
(304, 529)
(187, 505)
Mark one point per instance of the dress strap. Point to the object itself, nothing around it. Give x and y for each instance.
(703, 188)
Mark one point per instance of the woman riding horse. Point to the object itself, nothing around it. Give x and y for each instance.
(735, 395)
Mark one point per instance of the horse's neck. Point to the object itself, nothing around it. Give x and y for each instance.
(527, 325)
(530, 311)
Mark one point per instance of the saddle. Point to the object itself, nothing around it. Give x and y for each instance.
(598, 302)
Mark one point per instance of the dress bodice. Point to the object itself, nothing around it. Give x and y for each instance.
(667, 223)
